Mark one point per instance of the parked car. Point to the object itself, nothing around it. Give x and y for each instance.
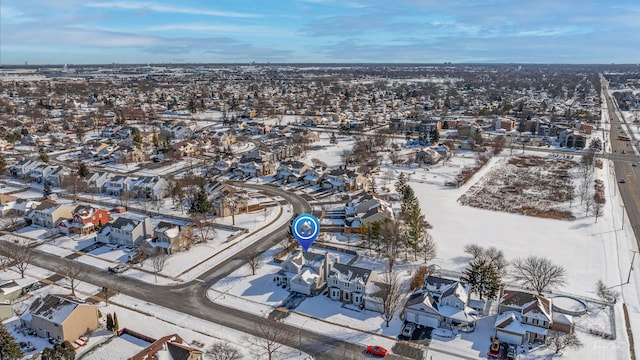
(118, 268)
(377, 350)
(408, 329)
(622, 181)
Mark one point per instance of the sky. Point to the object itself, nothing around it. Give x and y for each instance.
(326, 31)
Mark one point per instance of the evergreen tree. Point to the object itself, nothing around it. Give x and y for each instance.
(483, 278)
(435, 135)
(60, 351)
(401, 183)
(414, 225)
(44, 157)
(47, 189)
(372, 185)
(200, 204)
(116, 327)
(137, 137)
(3, 165)
(9, 348)
(83, 170)
(109, 322)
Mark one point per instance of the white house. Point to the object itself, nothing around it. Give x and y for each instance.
(352, 284)
(130, 232)
(304, 272)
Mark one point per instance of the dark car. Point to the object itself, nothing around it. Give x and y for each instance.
(377, 350)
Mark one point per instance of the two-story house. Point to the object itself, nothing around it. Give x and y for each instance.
(85, 219)
(57, 175)
(291, 171)
(151, 187)
(442, 302)
(49, 214)
(60, 317)
(169, 238)
(526, 318)
(304, 272)
(343, 179)
(40, 172)
(130, 232)
(22, 168)
(367, 208)
(117, 185)
(352, 284)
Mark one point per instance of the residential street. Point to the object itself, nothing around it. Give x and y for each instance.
(191, 298)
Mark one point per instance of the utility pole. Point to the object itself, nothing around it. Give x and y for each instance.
(622, 217)
(631, 266)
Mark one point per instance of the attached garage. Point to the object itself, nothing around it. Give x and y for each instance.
(421, 319)
(509, 338)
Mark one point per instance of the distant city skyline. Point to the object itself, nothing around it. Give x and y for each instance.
(322, 31)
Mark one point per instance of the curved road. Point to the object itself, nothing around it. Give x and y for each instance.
(191, 298)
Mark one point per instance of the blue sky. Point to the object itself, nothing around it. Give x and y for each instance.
(398, 31)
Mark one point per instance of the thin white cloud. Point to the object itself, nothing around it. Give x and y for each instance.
(12, 15)
(230, 29)
(127, 5)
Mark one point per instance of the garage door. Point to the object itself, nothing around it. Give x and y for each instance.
(509, 338)
(427, 321)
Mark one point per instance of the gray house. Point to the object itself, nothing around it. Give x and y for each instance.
(130, 232)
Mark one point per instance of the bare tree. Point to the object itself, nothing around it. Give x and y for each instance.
(5, 258)
(597, 210)
(538, 273)
(201, 221)
(607, 295)
(558, 341)
(390, 294)
(269, 337)
(429, 247)
(158, 262)
(21, 256)
(498, 144)
(254, 260)
(73, 271)
(222, 351)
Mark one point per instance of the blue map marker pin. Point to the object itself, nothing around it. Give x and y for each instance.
(305, 228)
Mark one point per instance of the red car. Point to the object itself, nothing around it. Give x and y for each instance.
(377, 350)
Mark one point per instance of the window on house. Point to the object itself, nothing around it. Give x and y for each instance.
(346, 285)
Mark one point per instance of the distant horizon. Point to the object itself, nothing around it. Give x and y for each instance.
(355, 64)
(318, 31)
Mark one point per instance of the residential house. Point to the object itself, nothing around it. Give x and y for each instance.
(249, 166)
(177, 132)
(57, 175)
(221, 167)
(96, 180)
(222, 138)
(441, 303)
(85, 220)
(313, 176)
(352, 285)
(117, 185)
(6, 310)
(169, 238)
(527, 318)
(304, 272)
(427, 156)
(61, 318)
(40, 172)
(367, 208)
(7, 204)
(10, 290)
(227, 200)
(128, 155)
(151, 187)
(187, 147)
(170, 347)
(130, 232)
(343, 179)
(49, 214)
(291, 171)
(23, 168)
